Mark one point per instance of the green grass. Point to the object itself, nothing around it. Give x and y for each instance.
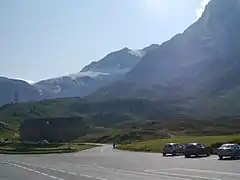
(157, 145)
(18, 148)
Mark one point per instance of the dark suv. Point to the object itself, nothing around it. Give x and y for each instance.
(173, 149)
(196, 149)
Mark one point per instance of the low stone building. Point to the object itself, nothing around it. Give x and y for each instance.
(52, 129)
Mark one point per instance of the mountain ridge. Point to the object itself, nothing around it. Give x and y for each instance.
(107, 70)
(199, 65)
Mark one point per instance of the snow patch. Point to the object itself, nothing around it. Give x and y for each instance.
(57, 89)
(138, 53)
(87, 73)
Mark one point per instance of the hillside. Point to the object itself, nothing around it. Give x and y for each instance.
(16, 90)
(200, 65)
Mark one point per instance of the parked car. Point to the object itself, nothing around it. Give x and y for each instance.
(229, 150)
(196, 149)
(43, 142)
(173, 149)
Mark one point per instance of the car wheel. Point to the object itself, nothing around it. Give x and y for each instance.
(220, 157)
(208, 154)
(174, 153)
(187, 156)
(234, 157)
(164, 154)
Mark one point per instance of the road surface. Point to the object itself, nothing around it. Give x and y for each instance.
(104, 163)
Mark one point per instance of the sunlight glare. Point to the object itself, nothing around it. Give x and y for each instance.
(155, 5)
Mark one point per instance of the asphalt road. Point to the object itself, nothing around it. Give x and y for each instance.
(103, 163)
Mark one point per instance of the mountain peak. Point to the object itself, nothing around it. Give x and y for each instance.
(222, 9)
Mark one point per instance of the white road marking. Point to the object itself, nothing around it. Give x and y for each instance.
(73, 173)
(44, 174)
(84, 175)
(100, 178)
(53, 177)
(34, 171)
(101, 167)
(102, 149)
(59, 170)
(124, 171)
(150, 174)
(207, 171)
(77, 165)
(53, 169)
(182, 175)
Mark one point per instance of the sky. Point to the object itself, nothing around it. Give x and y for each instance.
(41, 39)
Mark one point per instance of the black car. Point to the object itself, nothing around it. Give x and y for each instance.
(173, 149)
(196, 149)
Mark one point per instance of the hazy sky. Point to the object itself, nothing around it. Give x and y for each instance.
(41, 39)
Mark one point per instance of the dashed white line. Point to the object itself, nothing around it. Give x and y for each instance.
(34, 171)
(124, 171)
(181, 175)
(59, 170)
(53, 169)
(100, 178)
(208, 171)
(151, 174)
(73, 173)
(53, 177)
(44, 174)
(84, 175)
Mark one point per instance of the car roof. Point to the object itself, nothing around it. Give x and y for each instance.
(171, 143)
(230, 144)
(193, 144)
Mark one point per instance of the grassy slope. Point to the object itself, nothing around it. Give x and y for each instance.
(157, 145)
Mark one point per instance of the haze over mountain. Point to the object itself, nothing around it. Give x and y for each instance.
(97, 74)
(110, 69)
(202, 64)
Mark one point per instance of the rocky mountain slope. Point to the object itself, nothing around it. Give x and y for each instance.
(95, 75)
(16, 90)
(202, 65)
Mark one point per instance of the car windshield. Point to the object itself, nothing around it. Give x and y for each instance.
(168, 146)
(191, 146)
(228, 146)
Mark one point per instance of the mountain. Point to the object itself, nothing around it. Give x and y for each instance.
(212, 37)
(202, 65)
(95, 75)
(17, 90)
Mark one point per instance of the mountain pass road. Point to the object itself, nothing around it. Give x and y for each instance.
(104, 163)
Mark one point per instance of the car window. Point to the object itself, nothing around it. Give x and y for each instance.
(199, 145)
(190, 146)
(229, 146)
(176, 145)
(168, 146)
